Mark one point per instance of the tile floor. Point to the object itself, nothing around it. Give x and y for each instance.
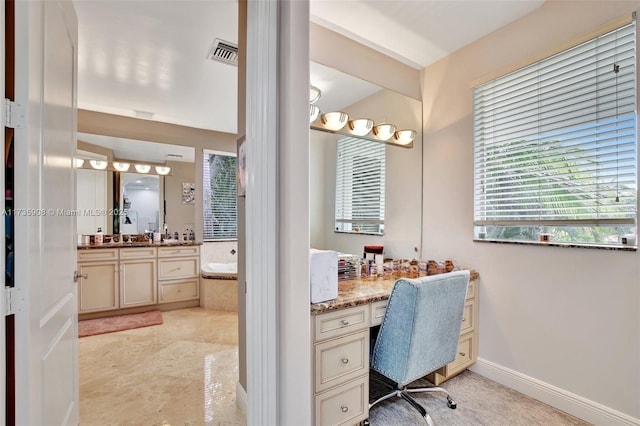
(183, 372)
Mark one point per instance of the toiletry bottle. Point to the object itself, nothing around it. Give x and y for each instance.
(99, 237)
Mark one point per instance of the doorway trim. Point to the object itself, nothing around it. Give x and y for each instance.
(279, 376)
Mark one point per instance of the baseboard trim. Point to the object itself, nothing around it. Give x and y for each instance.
(561, 399)
(241, 398)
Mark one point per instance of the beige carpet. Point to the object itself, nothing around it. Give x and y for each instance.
(481, 402)
(118, 323)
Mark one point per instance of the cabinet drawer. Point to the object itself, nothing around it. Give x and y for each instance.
(173, 291)
(172, 269)
(340, 360)
(464, 356)
(137, 253)
(377, 311)
(345, 405)
(340, 322)
(467, 318)
(89, 255)
(178, 251)
(471, 289)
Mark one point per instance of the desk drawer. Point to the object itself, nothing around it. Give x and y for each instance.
(377, 311)
(340, 360)
(340, 322)
(471, 290)
(467, 318)
(464, 356)
(345, 405)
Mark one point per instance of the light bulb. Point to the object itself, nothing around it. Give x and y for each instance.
(98, 164)
(360, 126)
(121, 167)
(404, 137)
(314, 112)
(334, 120)
(314, 94)
(78, 162)
(163, 170)
(384, 131)
(142, 168)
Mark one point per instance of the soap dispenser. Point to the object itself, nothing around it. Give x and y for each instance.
(99, 237)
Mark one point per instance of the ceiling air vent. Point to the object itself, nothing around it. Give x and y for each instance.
(224, 51)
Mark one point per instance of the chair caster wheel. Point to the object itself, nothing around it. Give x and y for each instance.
(365, 422)
(451, 403)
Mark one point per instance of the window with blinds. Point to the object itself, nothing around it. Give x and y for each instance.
(219, 196)
(555, 146)
(360, 186)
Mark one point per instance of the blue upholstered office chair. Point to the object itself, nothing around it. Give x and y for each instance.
(419, 333)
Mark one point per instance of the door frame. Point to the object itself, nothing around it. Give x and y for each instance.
(279, 367)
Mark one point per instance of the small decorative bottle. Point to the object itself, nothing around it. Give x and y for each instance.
(99, 237)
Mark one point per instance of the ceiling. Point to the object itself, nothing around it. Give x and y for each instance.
(148, 58)
(135, 150)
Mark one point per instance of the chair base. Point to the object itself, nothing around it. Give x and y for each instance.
(404, 393)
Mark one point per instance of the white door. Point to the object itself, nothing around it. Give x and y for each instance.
(45, 240)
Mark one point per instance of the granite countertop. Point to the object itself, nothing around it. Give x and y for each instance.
(360, 292)
(138, 244)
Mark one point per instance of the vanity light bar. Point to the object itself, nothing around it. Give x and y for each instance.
(122, 166)
(339, 122)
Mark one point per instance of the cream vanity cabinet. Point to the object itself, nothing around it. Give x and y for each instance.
(138, 284)
(341, 366)
(178, 273)
(134, 277)
(98, 283)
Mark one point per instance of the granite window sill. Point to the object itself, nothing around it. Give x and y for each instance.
(558, 244)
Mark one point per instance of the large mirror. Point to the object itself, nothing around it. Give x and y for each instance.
(145, 201)
(401, 206)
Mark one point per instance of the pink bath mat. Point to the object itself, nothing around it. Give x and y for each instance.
(118, 323)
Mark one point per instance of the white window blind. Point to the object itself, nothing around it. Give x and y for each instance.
(360, 186)
(555, 142)
(219, 196)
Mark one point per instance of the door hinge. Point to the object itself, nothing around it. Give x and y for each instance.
(12, 114)
(10, 300)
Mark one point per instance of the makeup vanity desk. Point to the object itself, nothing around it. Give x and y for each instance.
(340, 347)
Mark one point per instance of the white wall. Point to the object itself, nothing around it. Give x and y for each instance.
(567, 317)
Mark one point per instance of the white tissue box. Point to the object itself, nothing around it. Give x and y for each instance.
(323, 266)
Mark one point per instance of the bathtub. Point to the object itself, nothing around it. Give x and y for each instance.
(219, 286)
(220, 270)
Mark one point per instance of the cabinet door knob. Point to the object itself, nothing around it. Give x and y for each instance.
(463, 319)
(77, 276)
(345, 322)
(344, 408)
(462, 354)
(345, 360)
